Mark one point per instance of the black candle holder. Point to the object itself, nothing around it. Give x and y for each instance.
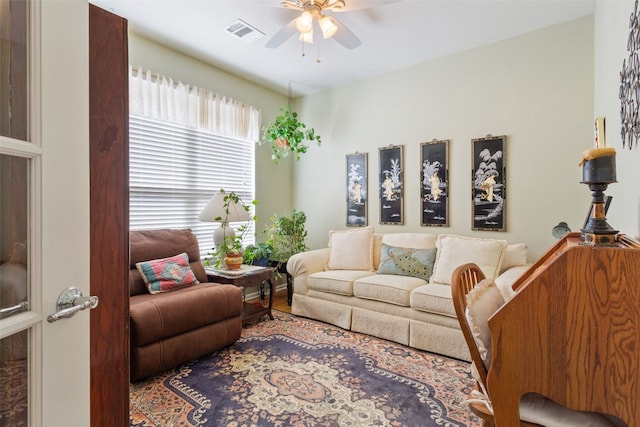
(598, 173)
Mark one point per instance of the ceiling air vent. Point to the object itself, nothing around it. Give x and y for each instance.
(244, 31)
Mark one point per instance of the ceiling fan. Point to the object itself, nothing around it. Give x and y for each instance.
(313, 12)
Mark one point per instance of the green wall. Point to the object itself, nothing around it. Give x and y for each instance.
(537, 89)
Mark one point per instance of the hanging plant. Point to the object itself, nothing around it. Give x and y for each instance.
(287, 135)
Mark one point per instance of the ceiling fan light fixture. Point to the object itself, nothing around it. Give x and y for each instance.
(304, 23)
(306, 37)
(328, 26)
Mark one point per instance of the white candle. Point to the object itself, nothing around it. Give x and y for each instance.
(599, 134)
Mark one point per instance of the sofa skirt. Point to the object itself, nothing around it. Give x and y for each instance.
(437, 334)
(325, 311)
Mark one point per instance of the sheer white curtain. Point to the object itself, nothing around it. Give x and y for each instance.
(159, 97)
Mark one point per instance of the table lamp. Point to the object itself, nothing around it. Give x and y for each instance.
(215, 211)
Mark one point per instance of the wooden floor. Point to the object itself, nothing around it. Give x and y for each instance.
(280, 301)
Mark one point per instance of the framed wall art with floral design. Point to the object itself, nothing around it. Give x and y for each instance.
(391, 185)
(357, 191)
(434, 183)
(488, 183)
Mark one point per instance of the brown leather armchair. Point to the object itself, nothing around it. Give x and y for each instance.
(174, 327)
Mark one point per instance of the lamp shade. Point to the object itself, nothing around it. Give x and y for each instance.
(306, 37)
(328, 26)
(214, 211)
(304, 23)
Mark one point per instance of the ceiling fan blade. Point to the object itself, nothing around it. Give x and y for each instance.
(282, 35)
(292, 4)
(345, 36)
(334, 5)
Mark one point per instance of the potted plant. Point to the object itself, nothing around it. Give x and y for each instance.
(257, 254)
(287, 135)
(230, 250)
(287, 236)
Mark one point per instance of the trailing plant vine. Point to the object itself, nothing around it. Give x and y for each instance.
(287, 135)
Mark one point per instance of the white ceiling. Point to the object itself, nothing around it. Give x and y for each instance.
(394, 34)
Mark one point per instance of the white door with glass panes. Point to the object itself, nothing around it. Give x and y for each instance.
(44, 211)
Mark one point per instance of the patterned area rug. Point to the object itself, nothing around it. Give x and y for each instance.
(297, 372)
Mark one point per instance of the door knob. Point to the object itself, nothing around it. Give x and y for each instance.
(18, 308)
(70, 302)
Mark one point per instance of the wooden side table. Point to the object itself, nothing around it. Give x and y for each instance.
(247, 277)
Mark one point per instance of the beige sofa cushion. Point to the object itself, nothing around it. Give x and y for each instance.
(351, 249)
(410, 240)
(433, 298)
(454, 251)
(387, 288)
(514, 255)
(336, 281)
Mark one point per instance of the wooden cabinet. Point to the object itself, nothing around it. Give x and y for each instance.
(571, 332)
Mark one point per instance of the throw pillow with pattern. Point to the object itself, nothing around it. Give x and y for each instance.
(166, 274)
(407, 261)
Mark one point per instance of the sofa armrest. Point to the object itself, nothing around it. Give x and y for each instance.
(303, 264)
(308, 262)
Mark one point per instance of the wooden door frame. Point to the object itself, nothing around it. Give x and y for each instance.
(109, 199)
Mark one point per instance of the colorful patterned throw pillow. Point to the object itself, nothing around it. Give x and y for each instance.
(166, 274)
(407, 261)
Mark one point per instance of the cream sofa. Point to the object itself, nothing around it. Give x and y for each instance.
(396, 286)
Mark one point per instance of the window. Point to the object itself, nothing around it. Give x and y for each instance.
(176, 168)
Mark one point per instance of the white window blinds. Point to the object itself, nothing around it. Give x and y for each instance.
(186, 143)
(174, 171)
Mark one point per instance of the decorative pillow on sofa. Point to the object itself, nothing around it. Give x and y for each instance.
(514, 255)
(454, 251)
(351, 249)
(166, 274)
(483, 300)
(407, 261)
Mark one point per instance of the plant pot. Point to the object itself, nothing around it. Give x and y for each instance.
(261, 262)
(233, 261)
(281, 142)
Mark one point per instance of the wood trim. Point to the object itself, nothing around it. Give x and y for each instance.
(109, 160)
(14, 119)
